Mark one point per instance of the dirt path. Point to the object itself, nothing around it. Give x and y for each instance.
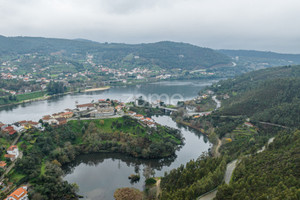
(158, 189)
(216, 152)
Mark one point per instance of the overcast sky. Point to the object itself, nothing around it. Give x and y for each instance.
(271, 25)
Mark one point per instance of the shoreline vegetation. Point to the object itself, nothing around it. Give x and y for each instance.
(46, 96)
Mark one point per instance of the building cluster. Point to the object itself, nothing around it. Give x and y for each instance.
(143, 120)
(57, 119)
(12, 129)
(100, 109)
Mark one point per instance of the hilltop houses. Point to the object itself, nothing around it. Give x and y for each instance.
(87, 106)
(57, 118)
(143, 120)
(18, 194)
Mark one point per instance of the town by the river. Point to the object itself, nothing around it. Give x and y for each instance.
(99, 175)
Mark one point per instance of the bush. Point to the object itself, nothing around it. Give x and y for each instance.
(150, 181)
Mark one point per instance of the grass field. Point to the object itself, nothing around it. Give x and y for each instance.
(32, 95)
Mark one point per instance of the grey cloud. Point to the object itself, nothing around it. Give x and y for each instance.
(248, 24)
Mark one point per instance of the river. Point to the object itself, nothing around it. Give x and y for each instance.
(98, 175)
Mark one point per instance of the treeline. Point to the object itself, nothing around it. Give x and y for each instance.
(194, 179)
(56, 88)
(18, 86)
(272, 174)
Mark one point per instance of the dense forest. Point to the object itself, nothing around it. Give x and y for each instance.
(166, 55)
(194, 179)
(270, 95)
(272, 174)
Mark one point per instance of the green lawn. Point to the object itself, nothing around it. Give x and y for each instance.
(32, 95)
(15, 177)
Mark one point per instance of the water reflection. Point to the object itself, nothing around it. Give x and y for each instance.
(99, 175)
(93, 160)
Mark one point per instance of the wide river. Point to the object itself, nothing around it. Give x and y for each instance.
(99, 175)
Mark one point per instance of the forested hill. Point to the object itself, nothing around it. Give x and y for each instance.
(264, 58)
(166, 55)
(270, 95)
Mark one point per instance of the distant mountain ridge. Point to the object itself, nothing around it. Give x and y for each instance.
(274, 59)
(167, 55)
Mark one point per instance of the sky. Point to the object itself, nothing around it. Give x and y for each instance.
(268, 25)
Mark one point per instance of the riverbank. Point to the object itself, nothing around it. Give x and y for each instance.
(97, 89)
(46, 97)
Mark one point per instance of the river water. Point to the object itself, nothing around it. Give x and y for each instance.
(99, 175)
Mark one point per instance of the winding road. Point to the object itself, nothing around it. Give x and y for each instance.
(228, 174)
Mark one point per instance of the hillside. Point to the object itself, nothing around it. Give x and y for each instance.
(272, 174)
(270, 95)
(261, 59)
(166, 55)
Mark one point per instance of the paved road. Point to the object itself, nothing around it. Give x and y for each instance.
(228, 173)
(217, 102)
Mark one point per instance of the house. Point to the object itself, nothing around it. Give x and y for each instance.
(151, 124)
(50, 120)
(61, 121)
(87, 106)
(131, 113)
(30, 124)
(138, 116)
(13, 150)
(67, 115)
(9, 129)
(118, 108)
(248, 124)
(19, 194)
(3, 164)
(63, 115)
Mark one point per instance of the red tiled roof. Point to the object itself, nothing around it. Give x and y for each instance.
(8, 129)
(9, 156)
(32, 123)
(47, 117)
(18, 193)
(67, 113)
(12, 132)
(3, 163)
(85, 105)
(12, 147)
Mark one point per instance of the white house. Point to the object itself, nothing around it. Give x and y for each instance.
(19, 194)
(12, 152)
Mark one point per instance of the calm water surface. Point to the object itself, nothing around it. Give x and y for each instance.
(35, 110)
(99, 175)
